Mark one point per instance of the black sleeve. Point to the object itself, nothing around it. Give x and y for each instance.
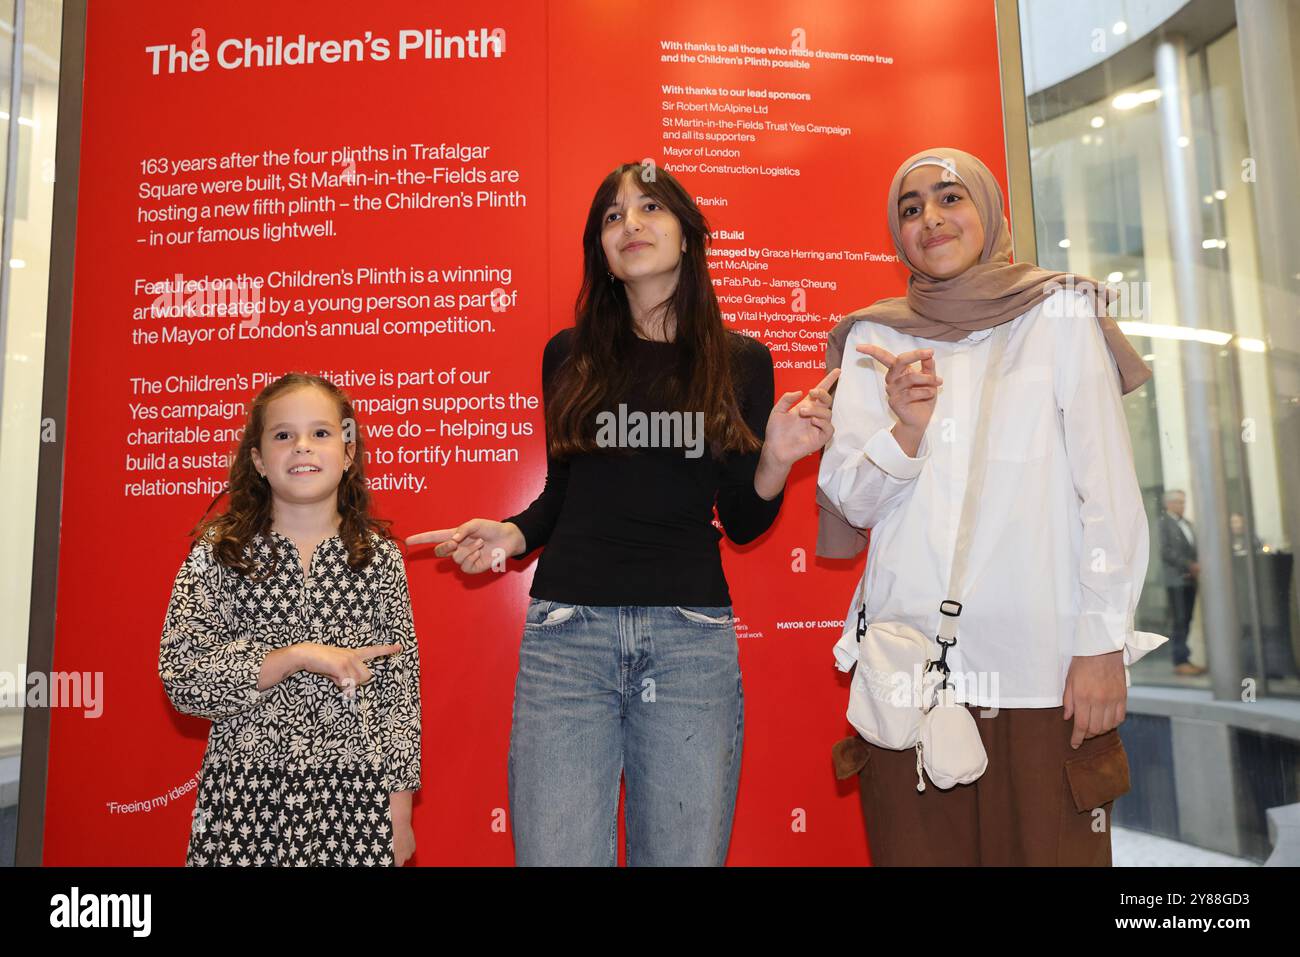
(538, 520)
(745, 514)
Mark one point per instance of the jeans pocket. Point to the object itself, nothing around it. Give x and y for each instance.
(547, 614)
(718, 616)
(1099, 778)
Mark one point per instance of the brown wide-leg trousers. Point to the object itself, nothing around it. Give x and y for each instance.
(1039, 803)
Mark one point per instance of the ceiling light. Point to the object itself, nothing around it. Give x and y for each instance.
(1126, 101)
(1154, 331)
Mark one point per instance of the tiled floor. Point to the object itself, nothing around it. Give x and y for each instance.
(1137, 849)
(1129, 848)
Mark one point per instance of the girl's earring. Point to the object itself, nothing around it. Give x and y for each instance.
(610, 275)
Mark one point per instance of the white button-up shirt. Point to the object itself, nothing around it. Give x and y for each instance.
(1060, 546)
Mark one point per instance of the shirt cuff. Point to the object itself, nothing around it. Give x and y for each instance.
(248, 671)
(846, 649)
(883, 450)
(1139, 643)
(403, 782)
(1100, 634)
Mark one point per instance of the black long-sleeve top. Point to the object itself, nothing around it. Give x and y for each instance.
(635, 526)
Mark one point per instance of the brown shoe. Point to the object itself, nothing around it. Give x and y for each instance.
(1187, 668)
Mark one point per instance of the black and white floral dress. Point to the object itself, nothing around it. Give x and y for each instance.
(297, 774)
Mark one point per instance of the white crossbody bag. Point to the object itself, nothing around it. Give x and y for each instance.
(902, 697)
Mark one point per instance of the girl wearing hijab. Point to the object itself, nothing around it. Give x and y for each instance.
(1058, 546)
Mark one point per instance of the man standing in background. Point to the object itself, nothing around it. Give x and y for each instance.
(1178, 556)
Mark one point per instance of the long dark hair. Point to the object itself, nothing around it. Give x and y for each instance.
(249, 513)
(604, 338)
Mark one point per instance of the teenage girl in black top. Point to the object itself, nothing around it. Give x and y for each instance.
(655, 414)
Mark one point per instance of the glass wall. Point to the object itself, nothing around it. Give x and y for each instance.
(30, 33)
(1162, 163)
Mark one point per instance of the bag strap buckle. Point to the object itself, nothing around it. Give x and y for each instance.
(949, 611)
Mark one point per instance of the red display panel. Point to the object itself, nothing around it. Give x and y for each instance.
(403, 207)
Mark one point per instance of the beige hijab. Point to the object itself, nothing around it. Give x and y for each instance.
(993, 291)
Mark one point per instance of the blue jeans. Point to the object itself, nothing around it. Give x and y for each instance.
(651, 693)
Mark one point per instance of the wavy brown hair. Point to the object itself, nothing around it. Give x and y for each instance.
(604, 338)
(249, 513)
